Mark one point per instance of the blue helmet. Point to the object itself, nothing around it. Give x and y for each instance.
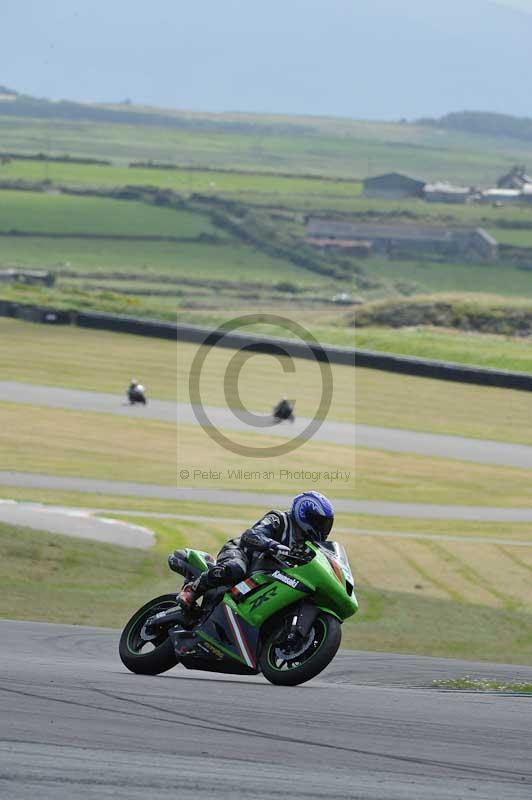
(314, 514)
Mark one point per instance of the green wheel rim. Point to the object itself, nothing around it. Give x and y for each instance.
(134, 631)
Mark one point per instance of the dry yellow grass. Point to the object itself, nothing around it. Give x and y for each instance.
(85, 359)
(102, 361)
(486, 574)
(91, 445)
(407, 478)
(422, 404)
(57, 442)
(263, 380)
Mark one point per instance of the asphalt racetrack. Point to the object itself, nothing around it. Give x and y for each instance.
(78, 522)
(165, 411)
(76, 724)
(403, 441)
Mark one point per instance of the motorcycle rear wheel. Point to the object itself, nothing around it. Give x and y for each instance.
(320, 648)
(159, 654)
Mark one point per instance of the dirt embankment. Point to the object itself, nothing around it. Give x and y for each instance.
(481, 315)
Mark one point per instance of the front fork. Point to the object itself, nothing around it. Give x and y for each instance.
(302, 621)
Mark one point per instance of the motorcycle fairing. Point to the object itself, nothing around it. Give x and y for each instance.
(224, 641)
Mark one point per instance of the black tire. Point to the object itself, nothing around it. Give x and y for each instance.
(324, 644)
(162, 656)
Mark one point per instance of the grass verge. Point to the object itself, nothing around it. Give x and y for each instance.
(397, 622)
(484, 685)
(422, 404)
(482, 350)
(107, 447)
(409, 478)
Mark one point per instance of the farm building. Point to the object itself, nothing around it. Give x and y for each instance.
(446, 193)
(393, 186)
(352, 247)
(30, 277)
(517, 178)
(498, 196)
(409, 240)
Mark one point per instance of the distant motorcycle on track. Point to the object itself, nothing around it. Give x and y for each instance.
(283, 621)
(284, 411)
(136, 394)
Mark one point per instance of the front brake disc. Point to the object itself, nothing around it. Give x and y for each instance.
(290, 654)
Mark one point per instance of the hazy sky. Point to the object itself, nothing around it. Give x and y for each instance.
(380, 59)
(523, 5)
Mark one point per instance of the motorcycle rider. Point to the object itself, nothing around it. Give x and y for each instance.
(311, 516)
(135, 392)
(284, 410)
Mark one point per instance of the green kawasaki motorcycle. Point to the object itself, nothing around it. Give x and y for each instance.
(284, 620)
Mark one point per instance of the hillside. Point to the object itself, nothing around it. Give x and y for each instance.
(299, 145)
(204, 214)
(484, 123)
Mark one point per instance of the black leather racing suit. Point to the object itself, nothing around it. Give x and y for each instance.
(234, 559)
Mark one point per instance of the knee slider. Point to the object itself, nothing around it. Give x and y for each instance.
(235, 572)
(229, 573)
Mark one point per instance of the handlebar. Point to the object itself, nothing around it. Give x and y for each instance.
(286, 552)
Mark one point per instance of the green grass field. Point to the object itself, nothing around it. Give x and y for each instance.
(295, 192)
(232, 261)
(411, 210)
(279, 143)
(432, 276)
(517, 238)
(58, 213)
(485, 350)
(268, 187)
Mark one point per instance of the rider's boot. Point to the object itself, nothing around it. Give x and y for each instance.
(187, 600)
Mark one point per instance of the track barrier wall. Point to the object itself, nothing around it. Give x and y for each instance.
(417, 367)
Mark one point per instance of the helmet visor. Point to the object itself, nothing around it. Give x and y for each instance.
(321, 525)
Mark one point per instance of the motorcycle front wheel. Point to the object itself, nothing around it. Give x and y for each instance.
(142, 655)
(285, 668)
